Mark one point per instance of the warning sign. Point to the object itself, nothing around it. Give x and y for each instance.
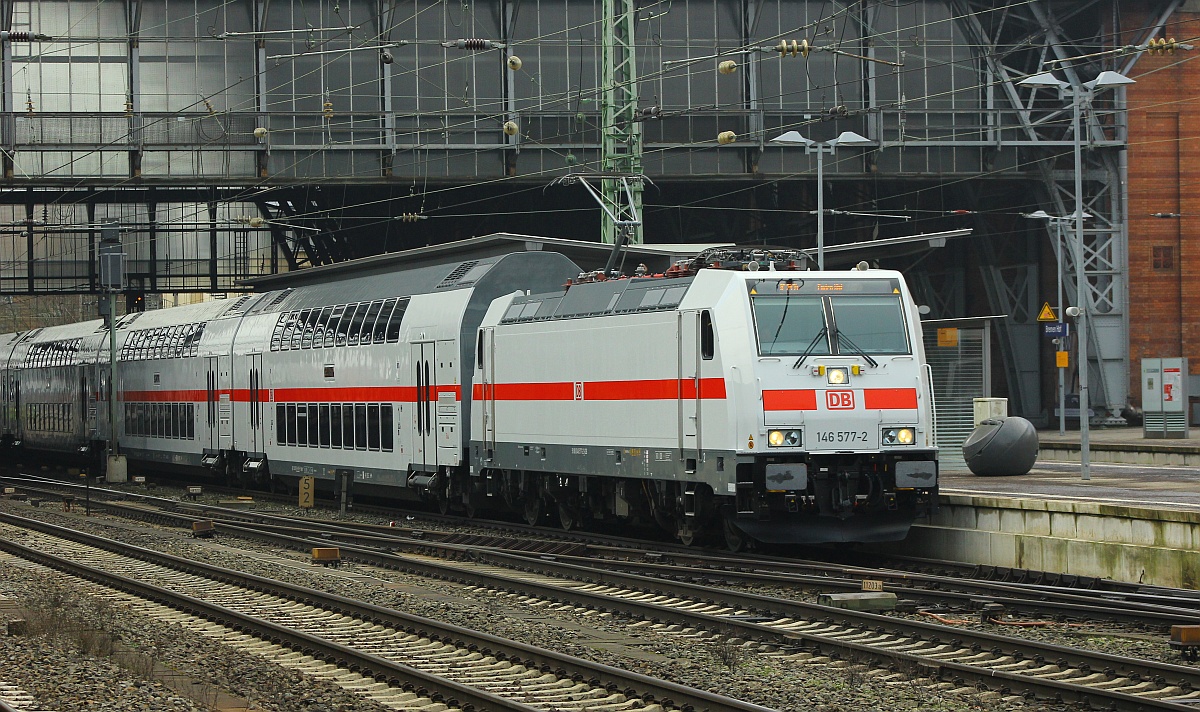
(1047, 314)
(947, 337)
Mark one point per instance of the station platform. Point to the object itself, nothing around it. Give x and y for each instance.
(1126, 468)
(1136, 519)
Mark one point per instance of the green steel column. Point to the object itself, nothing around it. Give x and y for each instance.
(622, 132)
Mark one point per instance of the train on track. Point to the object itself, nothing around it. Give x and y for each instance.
(733, 396)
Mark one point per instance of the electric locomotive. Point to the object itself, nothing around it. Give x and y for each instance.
(733, 395)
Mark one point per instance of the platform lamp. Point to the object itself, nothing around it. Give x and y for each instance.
(1079, 95)
(1058, 222)
(846, 138)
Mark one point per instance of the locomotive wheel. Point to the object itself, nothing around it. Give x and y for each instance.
(443, 504)
(687, 536)
(533, 510)
(735, 539)
(567, 518)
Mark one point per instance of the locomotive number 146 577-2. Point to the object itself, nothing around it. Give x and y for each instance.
(841, 436)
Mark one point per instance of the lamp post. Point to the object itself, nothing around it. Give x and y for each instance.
(1078, 96)
(846, 138)
(1058, 222)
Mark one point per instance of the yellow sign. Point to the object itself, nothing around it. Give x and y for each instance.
(948, 337)
(1047, 314)
(1062, 359)
(308, 489)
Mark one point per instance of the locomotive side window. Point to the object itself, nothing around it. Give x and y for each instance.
(790, 324)
(874, 324)
(706, 336)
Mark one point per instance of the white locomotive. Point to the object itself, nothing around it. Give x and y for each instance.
(733, 395)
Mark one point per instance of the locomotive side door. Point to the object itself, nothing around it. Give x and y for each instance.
(424, 435)
(689, 387)
(487, 407)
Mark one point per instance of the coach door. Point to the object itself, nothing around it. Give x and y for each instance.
(689, 387)
(424, 436)
(257, 436)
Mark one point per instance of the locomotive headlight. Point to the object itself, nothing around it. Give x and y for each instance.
(783, 438)
(838, 376)
(899, 436)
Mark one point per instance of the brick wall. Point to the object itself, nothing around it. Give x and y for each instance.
(1164, 177)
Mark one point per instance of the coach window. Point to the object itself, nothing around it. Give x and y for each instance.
(382, 322)
(360, 426)
(385, 426)
(324, 421)
(335, 425)
(348, 426)
(309, 322)
(393, 327)
(277, 334)
(349, 328)
(314, 426)
(291, 425)
(302, 425)
(289, 326)
(298, 332)
(280, 424)
(706, 336)
(191, 421)
(322, 328)
(373, 426)
(368, 327)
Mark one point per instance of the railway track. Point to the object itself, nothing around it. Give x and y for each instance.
(794, 630)
(312, 630)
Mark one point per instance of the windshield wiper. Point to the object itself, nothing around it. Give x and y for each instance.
(842, 338)
(811, 345)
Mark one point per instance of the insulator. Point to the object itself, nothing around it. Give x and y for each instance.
(260, 132)
(29, 106)
(20, 36)
(472, 43)
(514, 62)
(511, 128)
(129, 108)
(793, 48)
(409, 217)
(726, 137)
(328, 109)
(256, 221)
(208, 105)
(727, 67)
(386, 57)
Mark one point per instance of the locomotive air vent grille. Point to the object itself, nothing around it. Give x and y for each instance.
(279, 300)
(456, 274)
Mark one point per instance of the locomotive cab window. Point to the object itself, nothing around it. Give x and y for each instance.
(790, 324)
(874, 324)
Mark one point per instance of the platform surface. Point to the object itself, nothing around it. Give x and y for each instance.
(1176, 487)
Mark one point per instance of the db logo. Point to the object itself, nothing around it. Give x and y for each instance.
(839, 400)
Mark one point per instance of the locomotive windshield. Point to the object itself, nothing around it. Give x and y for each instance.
(790, 324)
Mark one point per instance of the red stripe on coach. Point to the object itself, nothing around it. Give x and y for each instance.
(790, 400)
(890, 398)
